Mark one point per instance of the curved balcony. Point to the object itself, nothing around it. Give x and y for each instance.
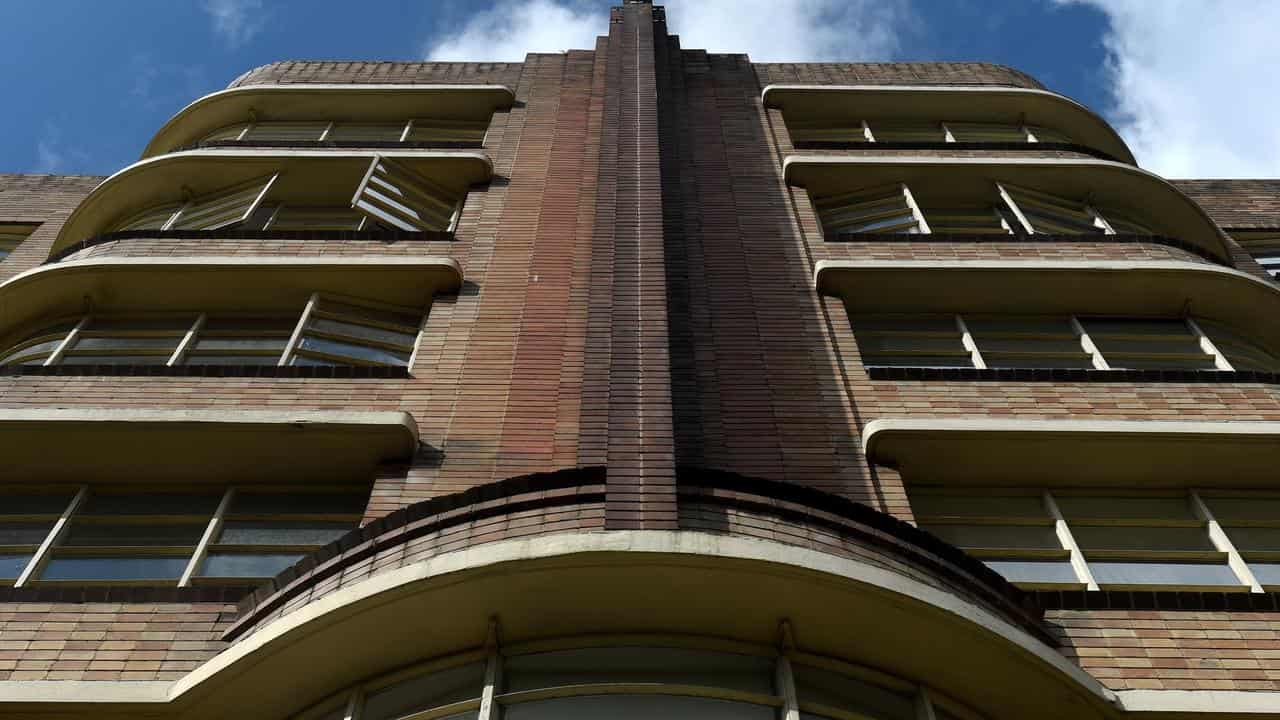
(1022, 197)
(982, 116)
(366, 104)
(208, 190)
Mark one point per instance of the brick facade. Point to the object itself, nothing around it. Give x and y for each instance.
(638, 297)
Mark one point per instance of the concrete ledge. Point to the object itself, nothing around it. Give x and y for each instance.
(954, 103)
(120, 445)
(997, 451)
(354, 102)
(939, 181)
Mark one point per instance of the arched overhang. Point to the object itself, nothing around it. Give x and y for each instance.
(1168, 288)
(254, 284)
(955, 103)
(132, 445)
(338, 102)
(1144, 196)
(308, 177)
(1106, 453)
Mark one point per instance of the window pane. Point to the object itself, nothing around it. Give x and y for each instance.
(115, 568)
(24, 533)
(1140, 573)
(82, 534)
(846, 693)
(1227, 509)
(1266, 573)
(359, 352)
(11, 566)
(300, 503)
(52, 504)
(126, 343)
(199, 359)
(425, 691)
(636, 707)
(235, 565)
(1121, 508)
(1020, 571)
(1141, 538)
(996, 536)
(151, 504)
(1254, 538)
(274, 345)
(640, 664)
(73, 359)
(245, 532)
(929, 505)
(364, 332)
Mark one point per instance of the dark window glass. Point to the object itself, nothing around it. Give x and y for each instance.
(233, 565)
(248, 532)
(357, 352)
(637, 707)
(640, 664)
(83, 534)
(840, 691)
(11, 566)
(34, 504)
(24, 533)
(442, 687)
(114, 568)
(248, 503)
(151, 504)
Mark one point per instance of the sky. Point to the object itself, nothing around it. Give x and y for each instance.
(1188, 83)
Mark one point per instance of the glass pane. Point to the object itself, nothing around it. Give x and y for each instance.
(902, 344)
(235, 565)
(274, 345)
(248, 503)
(200, 359)
(11, 566)
(82, 534)
(1227, 509)
(997, 360)
(1266, 573)
(636, 707)
(72, 359)
(1141, 538)
(24, 533)
(359, 312)
(640, 664)
(364, 332)
(947, 361)
(425, 691)
(259, 326)
(1122, 508)
(996, 536)
(846, 693)
(1255, 538)
(245, 532)
(126, 343)
(1135, 327)
(929, 505)
(1140, 573)
(52, 504)
(176, 325)
(1020, 571)
(348, 350)
(151, 504)
(941, 324)
(115, 568)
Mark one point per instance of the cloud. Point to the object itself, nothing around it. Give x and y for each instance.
(236, 21)
(1193, 84)
(796, 30)
(509, 29)
(793, 31)
(53, 156)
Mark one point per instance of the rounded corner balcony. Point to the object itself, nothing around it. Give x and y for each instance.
(972, 115)
(208, 191)
(461, 106)
(847, 605)
(248, 311)
(1079, 199)
(1058, 319)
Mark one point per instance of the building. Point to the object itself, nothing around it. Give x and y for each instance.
(639, 382)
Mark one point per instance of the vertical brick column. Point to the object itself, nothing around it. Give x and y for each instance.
(641, 457)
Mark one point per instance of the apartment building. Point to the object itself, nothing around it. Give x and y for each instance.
(639, 382)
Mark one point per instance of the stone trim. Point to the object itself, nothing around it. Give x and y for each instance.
(1023, 238)
(386, 236)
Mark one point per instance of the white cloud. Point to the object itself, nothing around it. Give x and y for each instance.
(794, 30)
(510, 29)
(54, 156)
(236, 21)
(1194, 84)
(767, 30)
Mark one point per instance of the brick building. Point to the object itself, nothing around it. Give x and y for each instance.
(644, 382)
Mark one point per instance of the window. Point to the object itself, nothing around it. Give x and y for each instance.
(418, 130)
(331, 330)
(1076, 538)
(1009, 210)
(889, 209)
(1055, 341)
(1264, 247)
(685, 681)
(168, 536)
(904, 131)
(12, 235)
(390, 196)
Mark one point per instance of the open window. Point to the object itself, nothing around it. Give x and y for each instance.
(12, 235)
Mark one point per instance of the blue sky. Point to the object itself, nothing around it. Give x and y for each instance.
(92, 80)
